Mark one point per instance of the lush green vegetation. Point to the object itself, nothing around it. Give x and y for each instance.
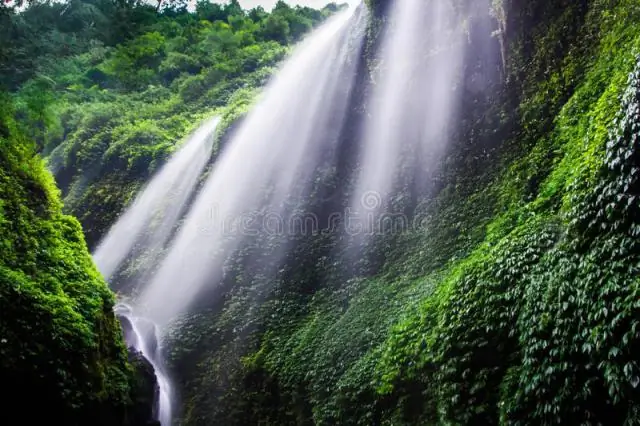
(105, 91)
(519, 305)
(112, 110)
(59, 340)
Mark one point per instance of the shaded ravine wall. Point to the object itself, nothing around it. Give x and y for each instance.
(61, 347)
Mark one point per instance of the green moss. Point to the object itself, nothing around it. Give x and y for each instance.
(59, 340)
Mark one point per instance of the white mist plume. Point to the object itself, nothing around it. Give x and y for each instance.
(412, 100)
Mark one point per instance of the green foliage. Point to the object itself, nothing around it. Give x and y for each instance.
(470, 345)
(135, 63)
(114, 113)
(35, 39)
(59, 339)
(518, 306)
(107, 91)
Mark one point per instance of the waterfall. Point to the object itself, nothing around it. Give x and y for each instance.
(272, 156)
(144, 337)
(154, 213)
(149, 223)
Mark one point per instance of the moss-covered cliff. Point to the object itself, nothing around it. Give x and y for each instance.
(62, 355)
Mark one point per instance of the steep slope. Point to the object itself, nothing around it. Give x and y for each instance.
(516, 300)
(61, 348)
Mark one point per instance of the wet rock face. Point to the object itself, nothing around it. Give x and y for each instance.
(146, 330)
(145, 391)
(148, 333)
(127, 329)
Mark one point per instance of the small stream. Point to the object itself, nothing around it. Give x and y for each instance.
(143, 336)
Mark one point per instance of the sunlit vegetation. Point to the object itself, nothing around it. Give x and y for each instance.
(109, 108)
(103, 91)
(59, 340)
(519, 303)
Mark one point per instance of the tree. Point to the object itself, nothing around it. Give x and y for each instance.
(276, 28)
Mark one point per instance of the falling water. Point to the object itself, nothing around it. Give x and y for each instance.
(412, 100)
(155, 212)
(270, 157)
(274, 154)
(149, 221)
(143, 336)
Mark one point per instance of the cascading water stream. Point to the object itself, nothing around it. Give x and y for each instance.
(144, 337)
(275, 154)
(149, 222)
(271, 156)
(152, 217)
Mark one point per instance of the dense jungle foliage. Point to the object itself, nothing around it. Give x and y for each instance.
(107, 90)
(516, 302)
(59, 339)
